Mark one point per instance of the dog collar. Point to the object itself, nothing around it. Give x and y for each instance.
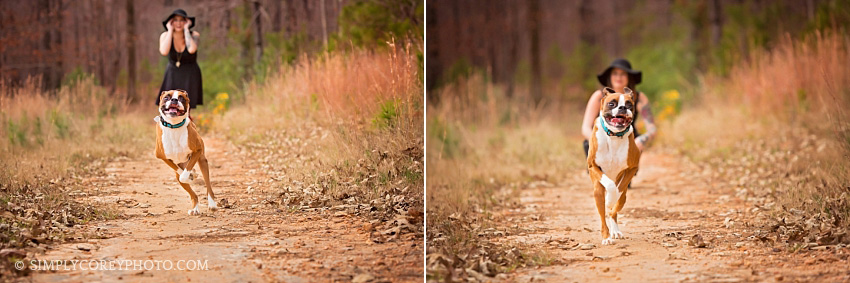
(609, 132)
(173, 126)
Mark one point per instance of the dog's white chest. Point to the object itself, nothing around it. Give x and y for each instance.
(175, 143)
(612, 153)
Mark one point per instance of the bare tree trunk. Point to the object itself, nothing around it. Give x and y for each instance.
(810, 9)
(324, 23)
(43, 69)
(292, 17)
(277, 20)
(716, 24)
(309, 19)
(534, 32)
(113, 59)
(57, 45)
(226, 25)
(79, 43)
(245, 41)
(100, 33)
(587, 19)
(494, 28)
(131, 50)
(513, 57)
(258, 34)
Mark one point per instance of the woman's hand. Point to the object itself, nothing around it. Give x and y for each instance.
(169, 26)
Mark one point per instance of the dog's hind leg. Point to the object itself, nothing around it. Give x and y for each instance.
(205, 170)
(172, 165)
(192, 195)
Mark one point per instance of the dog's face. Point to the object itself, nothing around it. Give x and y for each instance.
(173, 103)
(617, 109)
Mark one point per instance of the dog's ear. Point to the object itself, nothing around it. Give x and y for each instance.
(606, 91)
(628, 91)
(186, 96)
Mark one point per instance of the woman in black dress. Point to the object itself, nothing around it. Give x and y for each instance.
(618, 76)
(180, 45)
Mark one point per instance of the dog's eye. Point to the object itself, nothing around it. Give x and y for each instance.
(611, 104)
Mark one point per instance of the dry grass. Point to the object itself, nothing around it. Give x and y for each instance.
(51, 142)
(483, 148)
(777, 131)
(47, 133)
(339, 129)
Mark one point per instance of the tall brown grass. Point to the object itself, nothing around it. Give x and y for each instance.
(777, 128)
(46, 132)
(345, 124)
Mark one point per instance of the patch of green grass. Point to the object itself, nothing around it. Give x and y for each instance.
(449, 146)
(16, 133)
(60, 122)
(387, 115)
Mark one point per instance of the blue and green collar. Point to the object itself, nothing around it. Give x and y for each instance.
(173, 126)
(609, 132)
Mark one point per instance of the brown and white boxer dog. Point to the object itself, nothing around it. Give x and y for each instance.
(613, 158)
(179, 144)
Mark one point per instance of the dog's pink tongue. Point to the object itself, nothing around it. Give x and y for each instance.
(618, 120)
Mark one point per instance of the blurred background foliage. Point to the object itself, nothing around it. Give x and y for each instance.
(673, 42)
(241, 40)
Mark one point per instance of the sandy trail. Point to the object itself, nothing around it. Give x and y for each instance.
(255, 240)
(667, 206)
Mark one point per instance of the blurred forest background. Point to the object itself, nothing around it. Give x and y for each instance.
(116, 41)
(557, 47)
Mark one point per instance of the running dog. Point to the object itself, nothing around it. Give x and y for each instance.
(179, 144)
(613, 153)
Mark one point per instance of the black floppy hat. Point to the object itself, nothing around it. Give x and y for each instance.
(178, 12)
(635, 76)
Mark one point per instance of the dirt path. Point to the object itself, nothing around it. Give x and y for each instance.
(668, 205)
(255, 240)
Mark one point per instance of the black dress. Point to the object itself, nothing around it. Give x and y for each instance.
(186, 77)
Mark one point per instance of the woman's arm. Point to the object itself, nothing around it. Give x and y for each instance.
(191, 41)
(165, 43)
(165, 39)
(590, 114)
(646, 112)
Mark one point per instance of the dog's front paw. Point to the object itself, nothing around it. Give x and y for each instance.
(609, 241)
(184, 176)
(194, 211)
(211, 203)
(614, 229)
(617, 235)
